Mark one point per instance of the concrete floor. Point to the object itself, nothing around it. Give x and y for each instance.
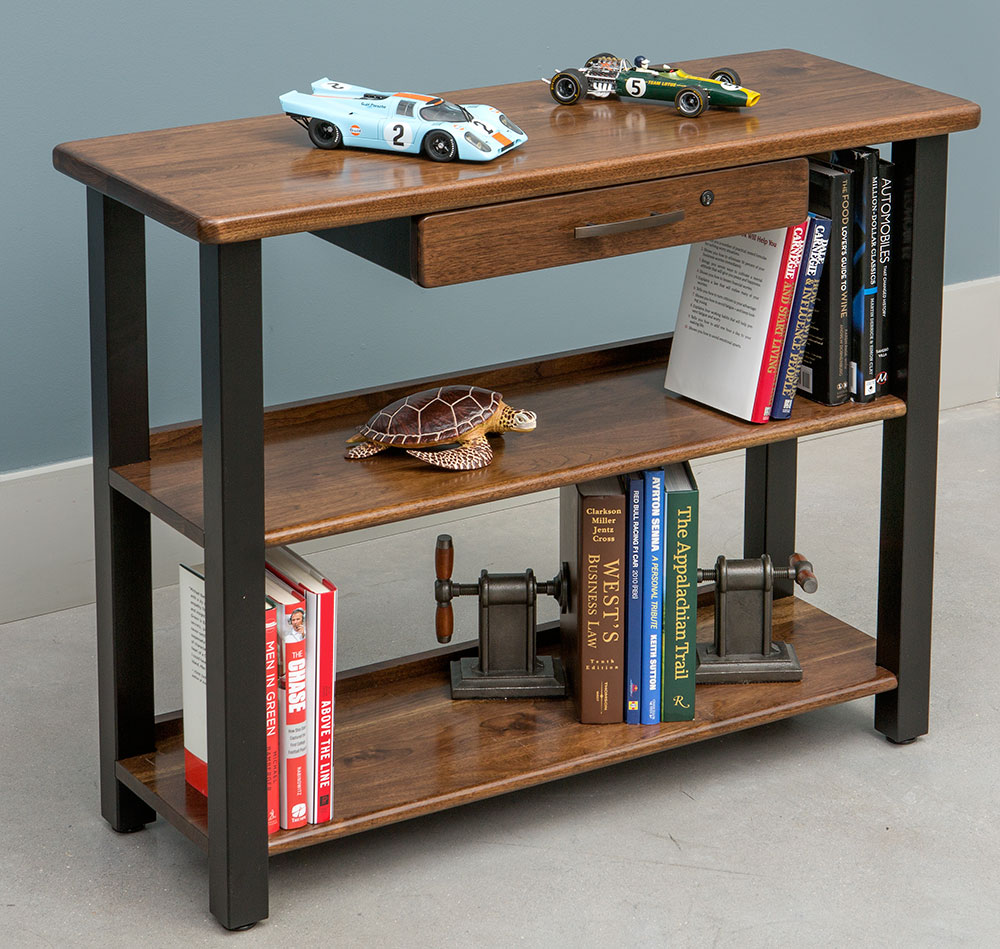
(808, 832)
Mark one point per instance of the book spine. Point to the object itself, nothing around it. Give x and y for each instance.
(633, 604)
(864, 198)
(791, 260)
(680, 603)
(592, 538)
(810, 273)
(271, 718)
(826, 362)
(325, 663)
(885, 239)
(652, 608)
(293, 734)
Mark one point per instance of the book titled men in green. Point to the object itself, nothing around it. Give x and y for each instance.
(680, 593)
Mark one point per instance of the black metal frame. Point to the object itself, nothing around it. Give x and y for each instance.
(232, 397)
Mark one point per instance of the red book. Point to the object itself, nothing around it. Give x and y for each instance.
(781, 308)
(271, 712)
(292, 688)
(321, 599)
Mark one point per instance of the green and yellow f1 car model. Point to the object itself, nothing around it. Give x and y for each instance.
(606, 75)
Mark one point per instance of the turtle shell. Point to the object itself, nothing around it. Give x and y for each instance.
(432, 417)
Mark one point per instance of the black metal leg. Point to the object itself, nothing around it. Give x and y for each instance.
(233, 453)
(769, 505)
(909, 444)
(119, 400)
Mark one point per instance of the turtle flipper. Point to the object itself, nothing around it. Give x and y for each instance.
(364, 450)
(475, 453)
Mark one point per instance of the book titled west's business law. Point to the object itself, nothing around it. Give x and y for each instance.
(592, 541)
(732, 320)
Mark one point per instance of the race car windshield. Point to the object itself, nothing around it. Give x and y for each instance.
(444, 112)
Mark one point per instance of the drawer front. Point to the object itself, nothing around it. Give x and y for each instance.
(458, 246)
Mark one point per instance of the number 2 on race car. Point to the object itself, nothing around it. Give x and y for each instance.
(398, 134)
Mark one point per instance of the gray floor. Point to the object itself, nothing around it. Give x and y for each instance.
(809, 832)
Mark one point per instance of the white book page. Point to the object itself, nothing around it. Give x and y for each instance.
(723, 320)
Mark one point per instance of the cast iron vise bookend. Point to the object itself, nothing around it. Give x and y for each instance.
(743, 650)
(508, 665)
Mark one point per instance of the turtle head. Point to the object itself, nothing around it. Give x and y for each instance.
(516, 420)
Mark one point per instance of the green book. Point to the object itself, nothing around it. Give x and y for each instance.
(680, 594)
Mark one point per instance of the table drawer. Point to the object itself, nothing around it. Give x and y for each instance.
(458, 246)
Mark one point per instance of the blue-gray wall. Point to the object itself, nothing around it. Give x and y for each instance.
(333, 322)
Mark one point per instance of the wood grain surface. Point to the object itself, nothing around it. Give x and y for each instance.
(516, 236)
(259, 177)
(599, 413)
(404, 748)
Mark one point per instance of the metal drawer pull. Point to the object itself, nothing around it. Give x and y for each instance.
(653, 219)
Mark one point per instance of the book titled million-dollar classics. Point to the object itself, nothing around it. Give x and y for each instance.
(592, 541)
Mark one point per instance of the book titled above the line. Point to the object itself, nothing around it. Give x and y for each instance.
(732, 320)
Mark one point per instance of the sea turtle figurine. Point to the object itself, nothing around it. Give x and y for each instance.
(459, 416)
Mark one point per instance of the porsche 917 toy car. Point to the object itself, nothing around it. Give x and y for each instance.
(605, 75)
(336, 114)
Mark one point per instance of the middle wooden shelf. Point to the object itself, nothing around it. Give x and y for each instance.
(600, 412)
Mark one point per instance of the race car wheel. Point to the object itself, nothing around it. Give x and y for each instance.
(691, 102)
(727, 75)
(567, 87)
(324, 134)
(440, 146)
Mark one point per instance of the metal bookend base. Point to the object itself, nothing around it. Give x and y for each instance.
(782, 665)
(469, 682)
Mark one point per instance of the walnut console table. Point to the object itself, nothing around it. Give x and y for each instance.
(244, 478)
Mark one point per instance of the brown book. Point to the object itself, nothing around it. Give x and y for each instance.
(592, 531)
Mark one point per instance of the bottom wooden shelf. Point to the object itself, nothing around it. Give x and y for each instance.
(403, 748)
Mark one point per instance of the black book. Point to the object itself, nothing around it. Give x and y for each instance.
(824, 375)
(886, 172)
(864, 214)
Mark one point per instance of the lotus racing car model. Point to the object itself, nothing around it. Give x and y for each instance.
(336, 114)
(606, 75)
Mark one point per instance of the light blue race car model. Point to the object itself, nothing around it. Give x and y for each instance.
(336, 114)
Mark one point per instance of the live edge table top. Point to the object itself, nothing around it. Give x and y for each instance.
(260, 177)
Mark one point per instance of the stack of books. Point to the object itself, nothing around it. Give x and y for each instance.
(629, 633)
(803, 309)
(300, 630)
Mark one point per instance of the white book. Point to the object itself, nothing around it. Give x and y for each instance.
(732, 319)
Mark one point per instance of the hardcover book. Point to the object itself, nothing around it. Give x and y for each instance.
(320, 597)
(732, 319)
(652, 598)
(633, 604)
(194, 696)
(826, 361)
(293, 738)
(803, 303)
(864, 216)
(592, 541)
(886, 171)
(680, 593)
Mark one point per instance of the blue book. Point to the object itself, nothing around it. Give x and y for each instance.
(636, 493)
(800, 318)
(652, 606)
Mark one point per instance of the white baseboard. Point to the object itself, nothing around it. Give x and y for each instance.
(47, 549)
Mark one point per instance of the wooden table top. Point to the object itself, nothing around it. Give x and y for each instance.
(260, 177)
